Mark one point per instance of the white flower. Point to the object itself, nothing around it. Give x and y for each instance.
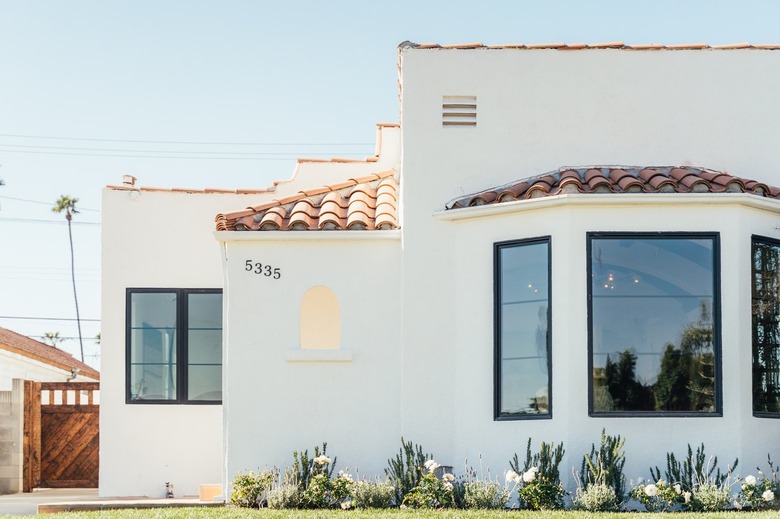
(346, 505)
(530, 475)
(431, 465)
(651, 490)
(750, 480)
(511, 476)
(322, 460)
(678, 489)
(768, 496)
(448, 477)
(448, 485)
(687, 497)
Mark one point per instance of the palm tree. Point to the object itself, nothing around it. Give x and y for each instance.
(52, 338)
(68, 204)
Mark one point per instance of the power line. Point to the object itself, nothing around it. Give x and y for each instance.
(144, 156)
(44, 203)
(70, 148)
(31, 220)
(45, 318)
(210, 143)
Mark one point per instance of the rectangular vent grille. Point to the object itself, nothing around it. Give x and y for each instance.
(459, 111)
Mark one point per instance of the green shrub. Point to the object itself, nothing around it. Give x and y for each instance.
(605, 466)
(483, 494)
(373, 494)
(248, 488)
(762, 492)
(694, 470)
(284, 496)
(539, 478)
(596, 497)
(304, 468)
(406, 469)
(431, 492)
(710, 497)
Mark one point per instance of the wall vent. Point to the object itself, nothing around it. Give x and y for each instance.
(459, 111)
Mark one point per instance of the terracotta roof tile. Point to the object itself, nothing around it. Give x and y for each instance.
(36, 350)
(368, 202)
(614, 179)
(579, 46)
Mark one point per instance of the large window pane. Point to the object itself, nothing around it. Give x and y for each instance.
(153, 346)
(653, 308)
(204, 346)
(522, 320)
(766, 327)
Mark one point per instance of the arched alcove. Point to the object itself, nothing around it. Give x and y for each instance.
(320, 320)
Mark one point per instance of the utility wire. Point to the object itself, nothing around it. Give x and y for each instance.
(70, 148)
(210, 143)
(144, 156)
(31, 220)
(44, 318)
(44, 203)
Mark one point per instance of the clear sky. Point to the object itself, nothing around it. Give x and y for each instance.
(226, 94)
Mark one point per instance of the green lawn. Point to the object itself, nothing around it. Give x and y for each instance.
(230, 512)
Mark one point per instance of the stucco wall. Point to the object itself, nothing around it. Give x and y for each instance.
(277, 398)
(164, 240)
(538, 111)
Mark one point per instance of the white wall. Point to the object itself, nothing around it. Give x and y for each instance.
(539, 110)
(275, 402)
(155, 239)
(13, 365)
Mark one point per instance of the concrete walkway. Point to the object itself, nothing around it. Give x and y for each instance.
(27, 504)
(52, 500)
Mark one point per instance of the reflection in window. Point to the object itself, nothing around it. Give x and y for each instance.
(766, 326)
(522, 329)
(174, 345)
(653, 311)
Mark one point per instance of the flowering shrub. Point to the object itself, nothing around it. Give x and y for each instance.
(660, 496)
(405, 469)
(539, 482)
(762, 492)
(710, 497)
(431, 492)
(248, 488)
(605, 467)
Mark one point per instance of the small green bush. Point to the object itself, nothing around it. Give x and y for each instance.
(284, 496)
(373, 494)
(710, 497)
(406, 469)
(432, 492)
(596, 497)
(482, 494)
(605, 466)
(248, 488)
(539, 478)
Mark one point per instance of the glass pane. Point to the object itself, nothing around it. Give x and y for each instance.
(205, 346)
(766, 327)
(153, 382)
(523, 321)
(205, 311)
(652, 324)
(153, 346)
(205, 382)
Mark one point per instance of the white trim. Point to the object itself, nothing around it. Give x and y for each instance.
(299, 355)
(229, 236)
(532, 204)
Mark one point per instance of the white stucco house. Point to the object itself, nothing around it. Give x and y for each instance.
(555, 240)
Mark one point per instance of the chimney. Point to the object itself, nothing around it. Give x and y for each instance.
(128, 180)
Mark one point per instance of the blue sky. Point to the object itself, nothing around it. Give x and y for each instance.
(296, 78)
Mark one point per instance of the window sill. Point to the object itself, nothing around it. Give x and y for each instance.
(299, 355)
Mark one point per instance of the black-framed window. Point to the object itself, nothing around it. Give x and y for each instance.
(766, 326)
(522, 364)
(174, 345)
(653, 324)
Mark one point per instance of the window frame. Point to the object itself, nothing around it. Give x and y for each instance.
(497, 246)
(775, 243)
(716, 321)
(182, 342)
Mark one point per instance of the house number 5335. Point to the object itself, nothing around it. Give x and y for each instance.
(263, 270)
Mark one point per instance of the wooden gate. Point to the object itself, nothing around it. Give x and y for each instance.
(61, 435)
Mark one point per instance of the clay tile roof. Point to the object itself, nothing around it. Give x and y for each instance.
(606, 45)
(614, 179)
(364, 203)
(36, 350)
